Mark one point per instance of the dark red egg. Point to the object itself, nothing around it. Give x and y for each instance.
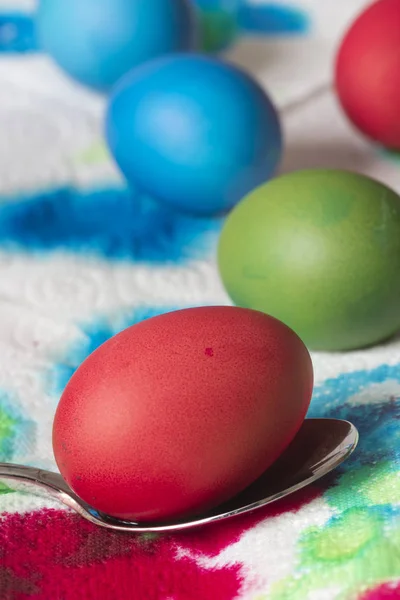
(182, 411)
(368, 73)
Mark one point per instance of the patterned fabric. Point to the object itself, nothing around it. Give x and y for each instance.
(81, 257)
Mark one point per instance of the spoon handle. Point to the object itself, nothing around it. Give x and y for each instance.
(51, 484)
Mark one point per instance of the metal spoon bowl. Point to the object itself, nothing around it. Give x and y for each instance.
(319, 447)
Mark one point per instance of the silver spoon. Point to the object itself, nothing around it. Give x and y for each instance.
(319, 447)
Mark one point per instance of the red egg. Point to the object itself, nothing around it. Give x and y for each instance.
(368, 73)
(182, 411)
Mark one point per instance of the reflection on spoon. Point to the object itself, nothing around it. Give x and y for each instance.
(319, 447)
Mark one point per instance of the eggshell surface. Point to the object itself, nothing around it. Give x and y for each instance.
(319, 250)
(180, 412)
(368, 73)
(193, 132)
(98, 41)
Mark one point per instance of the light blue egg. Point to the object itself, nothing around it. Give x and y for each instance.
(193, 132)
(97, 41)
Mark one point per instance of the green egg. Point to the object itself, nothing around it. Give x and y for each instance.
(319, 250)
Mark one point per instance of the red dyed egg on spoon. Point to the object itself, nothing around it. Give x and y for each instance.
(181, 412)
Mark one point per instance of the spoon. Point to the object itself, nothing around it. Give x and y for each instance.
(319, 447)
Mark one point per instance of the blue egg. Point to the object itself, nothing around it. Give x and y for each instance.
(97, 41)
(193, 132)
